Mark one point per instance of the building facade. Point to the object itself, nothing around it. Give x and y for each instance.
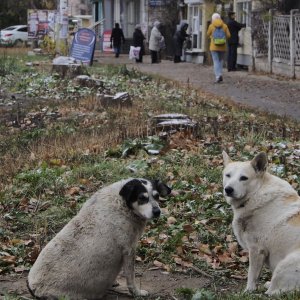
(198, 16)
(79, 7)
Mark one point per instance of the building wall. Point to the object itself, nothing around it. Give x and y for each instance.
(80, 7)
(245, 50)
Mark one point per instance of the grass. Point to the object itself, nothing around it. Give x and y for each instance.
(50, 169)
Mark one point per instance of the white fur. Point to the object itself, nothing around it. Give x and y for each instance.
(266, 222)
(83, 260)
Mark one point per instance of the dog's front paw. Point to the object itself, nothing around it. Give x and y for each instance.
(140, 293)
(250, 288)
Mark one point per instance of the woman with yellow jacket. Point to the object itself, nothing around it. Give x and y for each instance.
(218, 44)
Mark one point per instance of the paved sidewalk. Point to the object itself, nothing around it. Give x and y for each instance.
(279, 96)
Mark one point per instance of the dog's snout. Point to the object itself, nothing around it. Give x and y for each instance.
(156, 212)
(229, 191)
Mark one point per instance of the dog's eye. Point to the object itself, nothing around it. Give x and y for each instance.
(155, 195)
(243, 178)
(227, 175)
(143, 198)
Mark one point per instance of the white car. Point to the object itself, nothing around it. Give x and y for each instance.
(16, 35)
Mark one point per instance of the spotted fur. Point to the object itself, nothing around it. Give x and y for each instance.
(83, 260)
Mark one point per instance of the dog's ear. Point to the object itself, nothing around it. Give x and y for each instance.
(226, 158)
(260, 162)
(162, 188)
(129, 190)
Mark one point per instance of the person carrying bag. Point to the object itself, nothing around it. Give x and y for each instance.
(138, 43)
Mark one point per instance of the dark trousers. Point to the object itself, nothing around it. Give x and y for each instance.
(140, 59)
(177, 59)
(117, 51)
(232, 56)
(154, 57)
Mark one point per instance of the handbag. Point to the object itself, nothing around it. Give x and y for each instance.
(134, 52)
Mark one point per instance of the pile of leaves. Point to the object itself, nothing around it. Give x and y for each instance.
(52, 168)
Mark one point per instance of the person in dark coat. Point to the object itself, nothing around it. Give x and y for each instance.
(138, 41)
(178, 39)
(233, 42)
(116, 39)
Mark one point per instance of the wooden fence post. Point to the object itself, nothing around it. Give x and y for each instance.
(293, 41)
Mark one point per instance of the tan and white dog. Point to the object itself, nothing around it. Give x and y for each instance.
(266, 221)
(83, 260)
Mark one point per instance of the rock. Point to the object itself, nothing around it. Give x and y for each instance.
(120, 99)
(64, 60)
(166, 117)
(173, 122)
(37, 50)
(87, 81)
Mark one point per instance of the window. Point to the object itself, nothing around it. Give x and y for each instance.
(244, 12)
(195, 21)
(23, 29)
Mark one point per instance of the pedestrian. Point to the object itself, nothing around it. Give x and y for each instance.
(233, 42)
(178, 40)
(116, 39)
(155, 42)
(218, 33)
(138, 41)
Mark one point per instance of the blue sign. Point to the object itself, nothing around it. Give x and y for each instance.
(83, 46)
(158, 2)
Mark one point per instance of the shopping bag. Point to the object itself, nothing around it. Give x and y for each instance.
(134, 52)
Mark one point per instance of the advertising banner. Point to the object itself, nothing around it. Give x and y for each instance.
(106, 42)
(83, 45)
(40, 23)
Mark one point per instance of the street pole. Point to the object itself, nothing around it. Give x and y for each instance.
(62, 22)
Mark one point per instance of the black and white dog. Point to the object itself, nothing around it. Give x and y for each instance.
(83, 260)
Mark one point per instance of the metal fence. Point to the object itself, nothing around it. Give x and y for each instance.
(277, 37)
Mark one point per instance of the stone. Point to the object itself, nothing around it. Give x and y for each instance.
(173, 122)
(121, 99)
(87, 81)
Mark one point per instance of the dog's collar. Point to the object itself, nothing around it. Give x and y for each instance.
(242, 205)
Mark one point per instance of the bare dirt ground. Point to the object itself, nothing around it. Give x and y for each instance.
(158, 283)
(279, 96)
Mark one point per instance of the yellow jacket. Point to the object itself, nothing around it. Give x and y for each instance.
(211, 28)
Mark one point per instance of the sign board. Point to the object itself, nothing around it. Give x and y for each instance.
(158, 2)
(83, 46)
(106, 42)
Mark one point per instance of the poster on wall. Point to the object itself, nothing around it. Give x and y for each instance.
(64, 27)
(106, 42)
(83, 46)
(40, 23)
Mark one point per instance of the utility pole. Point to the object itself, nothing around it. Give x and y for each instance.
(62, 24)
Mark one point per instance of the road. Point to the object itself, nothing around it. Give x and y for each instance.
(279, 96)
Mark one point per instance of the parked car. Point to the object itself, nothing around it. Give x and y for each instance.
(16, 35)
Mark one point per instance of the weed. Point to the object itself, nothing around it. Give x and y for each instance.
(7, 65)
